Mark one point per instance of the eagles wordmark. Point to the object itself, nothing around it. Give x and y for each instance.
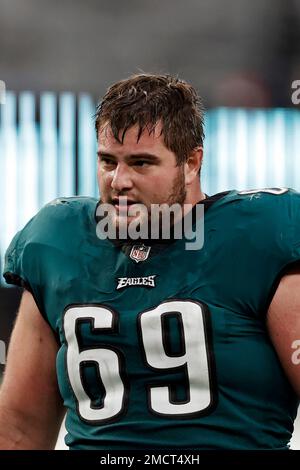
(146, 281)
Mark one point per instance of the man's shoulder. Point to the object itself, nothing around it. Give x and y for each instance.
(55, 233)
(61, 216)
(264, 198)
(67, 205)
(264, 209)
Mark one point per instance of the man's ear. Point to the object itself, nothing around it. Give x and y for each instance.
(193, 165)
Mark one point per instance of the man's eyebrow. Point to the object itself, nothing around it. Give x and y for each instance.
(135, 156)
(105, 154)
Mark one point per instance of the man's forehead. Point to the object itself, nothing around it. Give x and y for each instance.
(150, 135)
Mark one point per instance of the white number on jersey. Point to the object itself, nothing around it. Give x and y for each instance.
(195, 360)
(195, 356)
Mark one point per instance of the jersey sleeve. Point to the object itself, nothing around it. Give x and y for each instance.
(31, 250)
(42, 257)
(290, 229)
(14, 262)
(21, 265)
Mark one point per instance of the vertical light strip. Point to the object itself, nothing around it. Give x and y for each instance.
(205, 176)
(294, 127)
(258, 149)
(288, 148)
(222, 145)
(276, 156)
(66, 145)
(86, 147)
(210, 160)
(8, 173)
(27, 159)
(48, 177)
(240, 150)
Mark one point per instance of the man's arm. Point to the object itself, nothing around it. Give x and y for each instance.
(283, 322)
(31, 409)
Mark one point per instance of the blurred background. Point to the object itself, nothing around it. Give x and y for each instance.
(58, 57)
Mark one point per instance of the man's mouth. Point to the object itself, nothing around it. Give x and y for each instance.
(122, 204)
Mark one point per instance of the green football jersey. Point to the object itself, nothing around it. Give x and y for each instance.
(160, 346)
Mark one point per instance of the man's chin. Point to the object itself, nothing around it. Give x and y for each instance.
(124, 226)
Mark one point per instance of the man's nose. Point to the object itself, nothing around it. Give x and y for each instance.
(121, 179)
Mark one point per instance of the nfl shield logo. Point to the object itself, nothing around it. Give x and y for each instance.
(140, 252)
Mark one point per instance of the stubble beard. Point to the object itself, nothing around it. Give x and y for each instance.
(177, 196)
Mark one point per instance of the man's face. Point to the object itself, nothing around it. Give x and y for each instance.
(142, 172)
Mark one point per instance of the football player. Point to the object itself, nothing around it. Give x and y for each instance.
(147, 344)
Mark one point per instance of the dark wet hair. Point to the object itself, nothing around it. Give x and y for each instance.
(144, 100)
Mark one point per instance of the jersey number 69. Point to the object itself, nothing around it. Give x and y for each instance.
(195, 360)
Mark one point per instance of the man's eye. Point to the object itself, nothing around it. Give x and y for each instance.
(141, 163)
(107, 162)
